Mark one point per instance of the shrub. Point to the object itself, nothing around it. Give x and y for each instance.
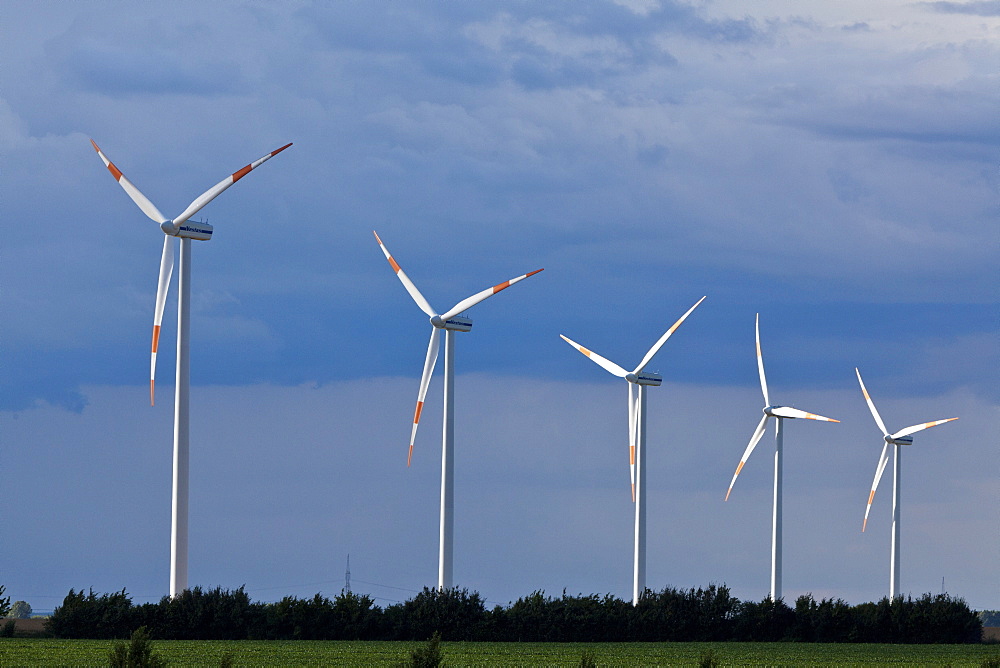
(428, 656)
(138, 653)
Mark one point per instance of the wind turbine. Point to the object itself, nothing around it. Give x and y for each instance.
(638, 380)
(779, 413)
(186, 230)
(450, 322)
(901, 437)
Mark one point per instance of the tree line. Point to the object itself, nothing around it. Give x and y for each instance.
(709, 614)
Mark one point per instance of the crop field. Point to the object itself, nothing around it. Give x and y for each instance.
(50, 652)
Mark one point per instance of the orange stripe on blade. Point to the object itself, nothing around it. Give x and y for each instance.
(394, 264)
(871, 497)
(240, 174)
(502, 286)
(416, 414)
(115, 172)
(156, 337)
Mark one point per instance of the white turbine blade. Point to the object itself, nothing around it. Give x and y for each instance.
(789, 412)
(603, 362)
(919, 427)
(871, 404)
(882, 461)
(216, 190)
(663, 339)
(147, 207)
(405, 280)
(757, 434)
(469, 302)
(760, 364)
(162, 286)
(425, 381)
(633, 435)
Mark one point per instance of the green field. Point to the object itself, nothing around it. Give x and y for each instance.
(49, 652)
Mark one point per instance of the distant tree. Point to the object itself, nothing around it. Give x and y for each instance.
(87, 615)
(454, 613)
(4, 602)
(20, 610)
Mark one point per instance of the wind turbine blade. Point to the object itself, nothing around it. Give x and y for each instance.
(919, 427)
(216, 190)
(871, 404)
(789, 412)
(162, 286)
(760, 364)
(603, 362)
(141, 200)
(405, 280)
(663, 339)
(469, 302)
(757, 434)
(425, 381)
(632, 433)
(882, 461)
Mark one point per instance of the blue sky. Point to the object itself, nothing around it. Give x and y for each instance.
(832, 167)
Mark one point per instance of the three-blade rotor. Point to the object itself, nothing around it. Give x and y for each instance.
(172, 228)
(901, 437)
(438, 322)
(634, 380)
(776, 412)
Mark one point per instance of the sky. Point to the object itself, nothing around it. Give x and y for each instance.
(831, 166)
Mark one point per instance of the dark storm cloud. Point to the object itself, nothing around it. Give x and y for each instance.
(146, 64)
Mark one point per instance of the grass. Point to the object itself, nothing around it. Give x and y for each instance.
(52, 652)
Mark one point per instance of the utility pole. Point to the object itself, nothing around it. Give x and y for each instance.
(347, 576)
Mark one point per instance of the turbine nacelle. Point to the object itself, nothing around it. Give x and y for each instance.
(455, 323)
(197, 230)
(645, 378)
(902, 440)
